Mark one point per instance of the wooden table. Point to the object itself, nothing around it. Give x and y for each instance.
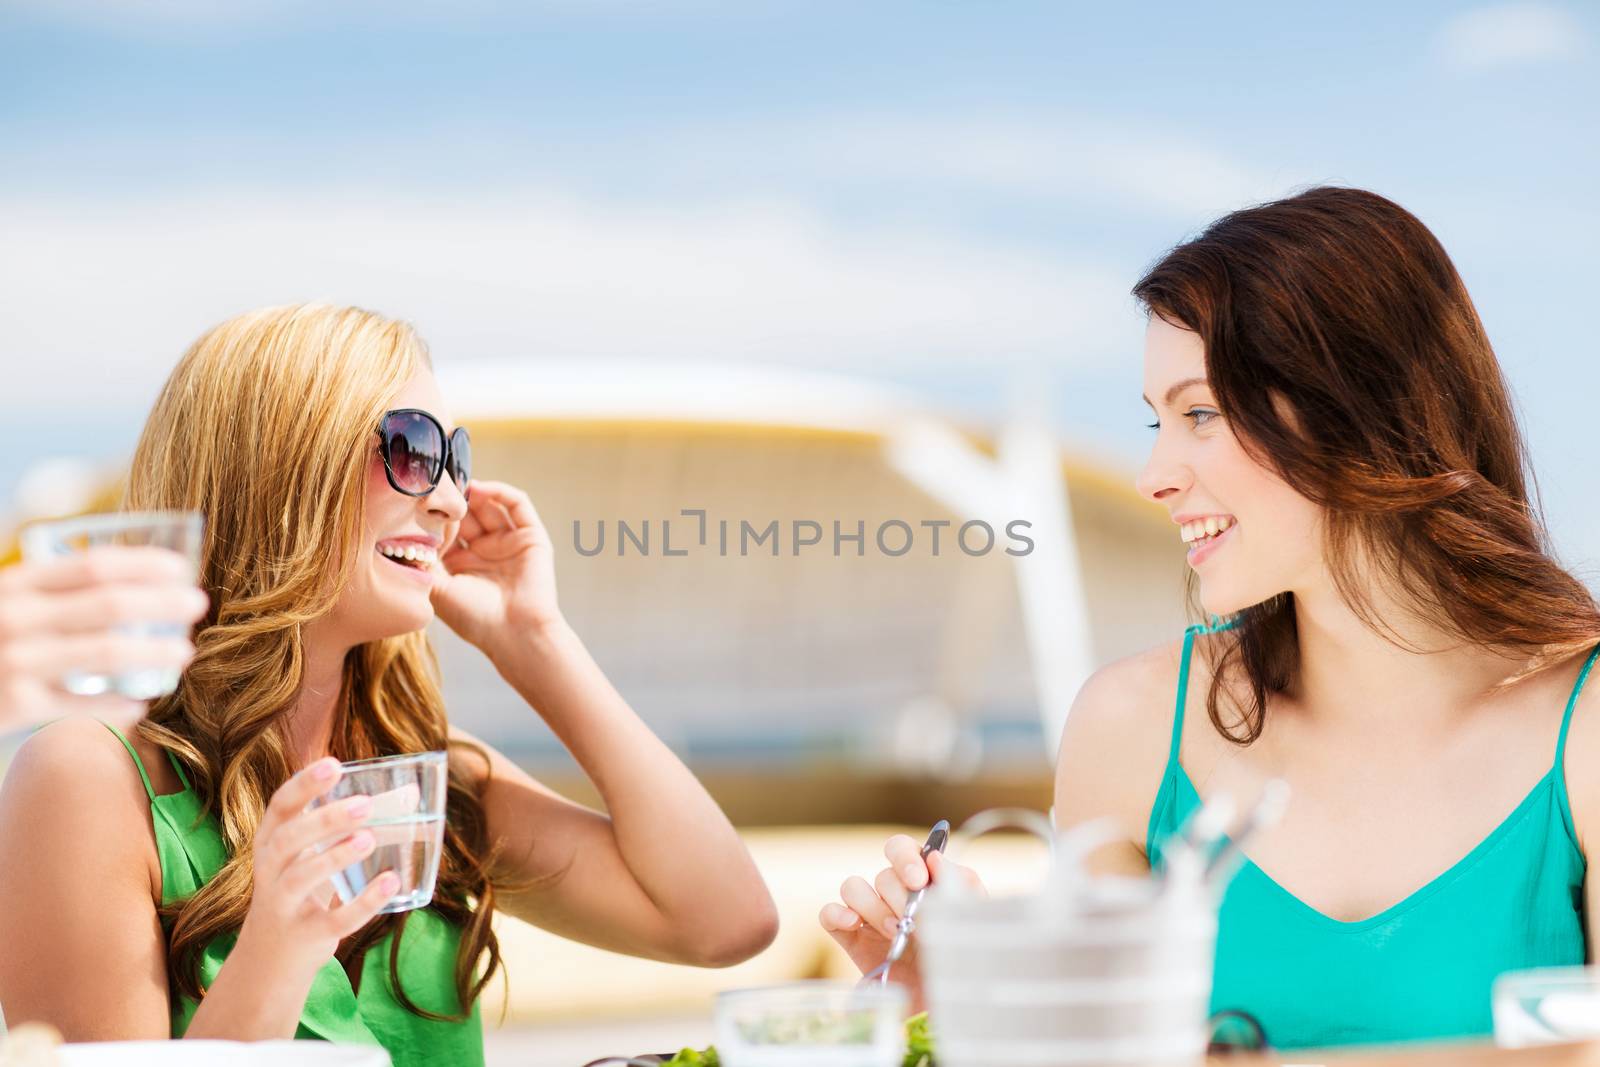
(1582, 1054)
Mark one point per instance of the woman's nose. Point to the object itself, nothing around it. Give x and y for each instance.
(447, 500)
(1163, 474)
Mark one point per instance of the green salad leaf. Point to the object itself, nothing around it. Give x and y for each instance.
(919, 1042)
(919, 1048)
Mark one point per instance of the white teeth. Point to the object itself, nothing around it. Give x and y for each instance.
(415, 553)
(1204, 529)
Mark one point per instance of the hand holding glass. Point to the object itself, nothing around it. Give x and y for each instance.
(406, 822)
(175, 531)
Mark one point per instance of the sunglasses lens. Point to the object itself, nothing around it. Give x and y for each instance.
(461, 458)
(415, 451)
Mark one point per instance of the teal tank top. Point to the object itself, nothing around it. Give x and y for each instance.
(189, 843)
(1420, 969)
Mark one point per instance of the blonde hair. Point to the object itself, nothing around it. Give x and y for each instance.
(266, 426)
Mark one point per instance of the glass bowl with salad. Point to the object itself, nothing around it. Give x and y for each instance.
(912, 1047)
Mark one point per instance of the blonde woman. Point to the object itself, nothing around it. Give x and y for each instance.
(179, 892)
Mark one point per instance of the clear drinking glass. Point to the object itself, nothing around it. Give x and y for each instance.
(179, 531)
(812, 1024)
(1546, 1006)
(407, 821)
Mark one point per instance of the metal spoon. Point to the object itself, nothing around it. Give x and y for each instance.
(937, 840)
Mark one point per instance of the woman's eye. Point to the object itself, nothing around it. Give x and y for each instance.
(1153, 425)
(1201, 416)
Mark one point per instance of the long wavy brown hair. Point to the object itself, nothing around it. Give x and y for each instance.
(1344, 351)
(266, 427)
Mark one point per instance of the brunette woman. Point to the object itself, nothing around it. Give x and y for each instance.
(1336, 447)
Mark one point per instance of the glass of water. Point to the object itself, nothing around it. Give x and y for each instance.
(1546, 1006)
(179, 531)
(812, 1024)
(406, 821)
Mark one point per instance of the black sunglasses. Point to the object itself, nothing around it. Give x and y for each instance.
(417, 453)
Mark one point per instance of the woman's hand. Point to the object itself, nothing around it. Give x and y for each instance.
(499, 576)
(866, 921)
(293, 914)
(63, 615)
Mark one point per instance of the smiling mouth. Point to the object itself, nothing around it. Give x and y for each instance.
(1204, 531)
(416, 557)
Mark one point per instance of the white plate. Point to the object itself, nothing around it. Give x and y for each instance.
(208, 1053)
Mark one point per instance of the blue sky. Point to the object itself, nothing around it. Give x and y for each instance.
(951, 197)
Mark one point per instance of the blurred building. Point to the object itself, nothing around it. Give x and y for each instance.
(704, 524)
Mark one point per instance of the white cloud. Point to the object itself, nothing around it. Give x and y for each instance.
(1137, 165)
(1134, 164)
(1506, 35)
(102, 297)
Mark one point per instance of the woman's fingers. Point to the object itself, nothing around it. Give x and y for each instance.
(471, 528)
(868, 916)
(942, 869)
(77, 611)
(905, 858)
(306, 784)
(865, 946)
(346, 919)
(838, 918)
(27, 701)
(485, 506)
(48, 658)
(313, 869)
(891, 890)
(514, 505)
(502, 544)
(101, 565)
(320, 824)
(490, 552)
(862, 899)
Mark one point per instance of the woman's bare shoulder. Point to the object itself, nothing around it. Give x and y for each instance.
(72, 788)
(77, 762)
(1129, 696)
(78, 918)
(1581, 759)
(1116, 740)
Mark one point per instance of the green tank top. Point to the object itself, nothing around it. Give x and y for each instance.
(1418, 970)
(189, 843)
